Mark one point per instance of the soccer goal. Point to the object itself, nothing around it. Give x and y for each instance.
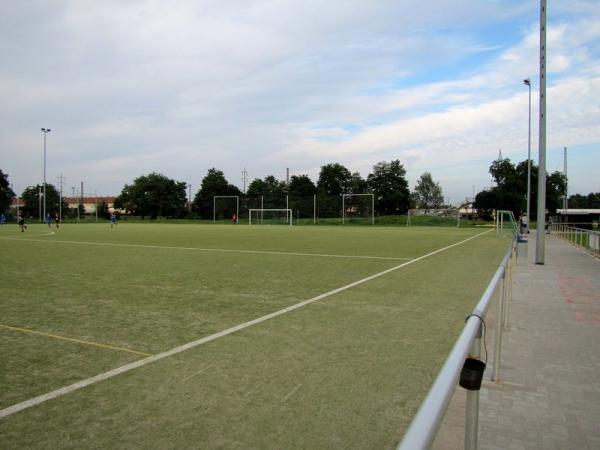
(225, 206)
(270, 216)
(506, 224)
(358, 208)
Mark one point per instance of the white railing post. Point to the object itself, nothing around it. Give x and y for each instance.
(472, 404)
(498, 333)
(508, 296)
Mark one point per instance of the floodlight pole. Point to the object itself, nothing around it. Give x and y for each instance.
(45, 131)
(540, 243)
(528, 83)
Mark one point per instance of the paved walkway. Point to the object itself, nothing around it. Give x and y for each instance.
(548, 396)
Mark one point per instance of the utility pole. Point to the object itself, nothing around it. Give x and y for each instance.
(566, 202)
(45, 131)
(81, 201)
(528, 84)
(189, 197)
(61, 181)
(244, 178)
(540, 241)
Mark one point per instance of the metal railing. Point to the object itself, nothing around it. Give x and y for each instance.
(580, 237)
(423, 429)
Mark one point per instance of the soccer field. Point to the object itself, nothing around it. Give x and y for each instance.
(299, 337)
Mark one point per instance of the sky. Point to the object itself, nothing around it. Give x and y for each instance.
(179, 87)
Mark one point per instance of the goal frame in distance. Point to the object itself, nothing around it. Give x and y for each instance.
(289, 213)
(358, 195)
(237, 206)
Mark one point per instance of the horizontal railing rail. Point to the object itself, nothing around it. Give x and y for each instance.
(580, 237)
(423, 429)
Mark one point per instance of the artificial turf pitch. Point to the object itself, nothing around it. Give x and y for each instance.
(347, 371)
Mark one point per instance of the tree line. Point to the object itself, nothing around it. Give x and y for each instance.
(155, 195)
(510, 192)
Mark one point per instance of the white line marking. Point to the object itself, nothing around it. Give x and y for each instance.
(142, 362)
(17, 237)
(194, 374)
(292, 392)
(216, 250)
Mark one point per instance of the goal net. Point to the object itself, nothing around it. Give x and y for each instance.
(270, 217)
(226, 208)
(358, 208)
(506, 225)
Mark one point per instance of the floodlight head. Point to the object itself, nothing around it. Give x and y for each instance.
(527, 81)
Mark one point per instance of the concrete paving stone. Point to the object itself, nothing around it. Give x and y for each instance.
(548, 395)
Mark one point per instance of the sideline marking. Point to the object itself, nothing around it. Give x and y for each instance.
(150, 359)
(78, 341)
(216, 250)
(17, 237)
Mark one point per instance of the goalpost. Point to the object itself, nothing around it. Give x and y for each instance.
(237, 206)
(358, 208)
(271, 215)
(503, 216)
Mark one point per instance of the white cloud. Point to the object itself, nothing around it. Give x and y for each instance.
(133, 87)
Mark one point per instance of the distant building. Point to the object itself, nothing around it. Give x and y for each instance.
(583, 218)
(89, 203)
(467, 210)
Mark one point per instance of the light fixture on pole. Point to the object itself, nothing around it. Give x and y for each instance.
(528, 83)
(45, 131)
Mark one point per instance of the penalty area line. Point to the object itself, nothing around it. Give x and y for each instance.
(77, 341)
(142, 362)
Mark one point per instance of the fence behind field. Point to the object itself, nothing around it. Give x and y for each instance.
(424, 427)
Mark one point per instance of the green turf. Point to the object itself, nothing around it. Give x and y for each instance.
(347, 372)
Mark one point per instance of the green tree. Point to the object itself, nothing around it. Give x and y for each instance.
(153, 195)
(590, 201)
(357, 184)
(428, 193)
(593, 200)
(301, 196)
(256, 187)
(510, 192)
(486, 202)
(6, 193)
(302, 185)
(214, 183)
(388, 183)
(334, 179)
(33, 197)
(102, 209)
(270, 185)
